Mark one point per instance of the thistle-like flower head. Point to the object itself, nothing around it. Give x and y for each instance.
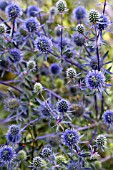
(70, 137)
(13, 11)
(7, 154)
(43, 44)
(95, 80)
(32, 25)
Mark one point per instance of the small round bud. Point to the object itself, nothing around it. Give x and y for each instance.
(62, 106)
(32, 11)
(77, 110)
(80, 28)
(60, 159)
(53, 11)
(71, 73)
(58, 31)
(3, 5)
(101, 141)
(79, 13)
(98, 165)
(31, 65)
(94, 16)
(12, 103)
(2, 28)
(37, 162)
(61, 6)
(55, 68)
(38, 87)
(46, 152)
(22, 155)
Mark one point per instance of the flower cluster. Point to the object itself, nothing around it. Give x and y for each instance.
(55, 79)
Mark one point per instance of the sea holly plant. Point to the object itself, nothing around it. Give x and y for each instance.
(55, 86)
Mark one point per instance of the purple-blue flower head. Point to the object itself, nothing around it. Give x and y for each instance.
(14, 130)
(43, 44)
(108, 117)
(70, 137)
(79, 13)
(95, 80)
(79, 39)
(13, 135)
(32, 11)
(62, 106)
(7, 154)
(32, 25)
(13, 11)
(55, 68)
(3, 5)
(103, 22)
(13, 139)
(15, 55)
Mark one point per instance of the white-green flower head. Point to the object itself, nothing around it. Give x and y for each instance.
(71, 73)
(38, 88)
(61, 6)
(101, 142)
(2, 28)
(80, 28)
(31, 65)
(94, 16)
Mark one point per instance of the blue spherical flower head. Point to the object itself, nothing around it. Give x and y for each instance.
(14, 130)
(70, 137)
(79, 13)
(95, 80)
(103, 22)
(7, 154)
(46, 152)
(13, 139)
(79, 39)
(3, 5)
(13, 135)
(32, 25)
(13, 11)
(15, 55)
(55, 68)
(32, 11)
(43, 44)
(108, 117)
(62, 106)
